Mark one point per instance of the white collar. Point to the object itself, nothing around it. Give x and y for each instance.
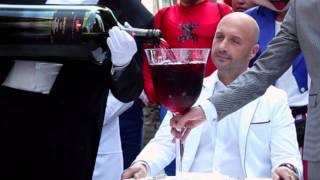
(212, 83)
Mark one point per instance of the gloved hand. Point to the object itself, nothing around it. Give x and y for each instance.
(122, 46)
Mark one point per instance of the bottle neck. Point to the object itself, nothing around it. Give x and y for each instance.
(137, 32)
(148, 36)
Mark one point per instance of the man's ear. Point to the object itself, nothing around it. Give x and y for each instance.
(254, 51)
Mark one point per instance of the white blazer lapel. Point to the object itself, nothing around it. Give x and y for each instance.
(190, 147)
(246, 116)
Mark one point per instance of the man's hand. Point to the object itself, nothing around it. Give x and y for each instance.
(136, 171)
(284, 173)
(191, 119)
(122, 46)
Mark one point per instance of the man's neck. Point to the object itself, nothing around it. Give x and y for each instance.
(280, 16)
(226, 77)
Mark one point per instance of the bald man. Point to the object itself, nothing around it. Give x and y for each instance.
(255, 141)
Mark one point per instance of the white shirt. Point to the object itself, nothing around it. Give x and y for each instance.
(287, 82)
(220, 139)
(37, 76)
(32, 76)
(204, 156)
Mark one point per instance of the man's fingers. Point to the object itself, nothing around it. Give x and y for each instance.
(126, 174)
(283, 173)
(181, 122)
(139, 175)
(191, 124)
(189, 120)
(130, 172)
(185, 134)
(182, 135)
(174, 120)
(275, 176)
(177, 121)
(175, 133)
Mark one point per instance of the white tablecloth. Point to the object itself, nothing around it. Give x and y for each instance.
(203, 176)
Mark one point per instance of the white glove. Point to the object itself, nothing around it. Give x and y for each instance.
(122, 46)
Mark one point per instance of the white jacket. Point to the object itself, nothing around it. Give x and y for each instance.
(267, 136)
(109, 161)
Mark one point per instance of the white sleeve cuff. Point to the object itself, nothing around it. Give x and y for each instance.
(115, 69)
(209, 110)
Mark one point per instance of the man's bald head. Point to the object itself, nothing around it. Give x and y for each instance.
(244, 22)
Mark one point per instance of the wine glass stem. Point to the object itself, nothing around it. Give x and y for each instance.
(179, 156)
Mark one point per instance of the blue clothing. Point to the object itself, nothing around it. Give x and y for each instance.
(131, 132)
(266, 19)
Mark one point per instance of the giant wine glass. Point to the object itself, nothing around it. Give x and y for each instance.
(177, 76)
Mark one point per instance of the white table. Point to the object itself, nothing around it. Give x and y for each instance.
(202, 176)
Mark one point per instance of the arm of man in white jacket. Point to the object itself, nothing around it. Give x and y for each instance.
(157, 154)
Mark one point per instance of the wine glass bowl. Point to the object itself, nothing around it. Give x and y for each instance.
(177, 76)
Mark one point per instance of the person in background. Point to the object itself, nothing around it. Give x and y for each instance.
(228, 2)
(298, 32)
(242, 5)
(255, 141)
(52, 113)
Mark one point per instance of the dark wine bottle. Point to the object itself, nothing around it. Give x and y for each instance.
(61, 32)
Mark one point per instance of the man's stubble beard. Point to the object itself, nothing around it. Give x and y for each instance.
(190, 2)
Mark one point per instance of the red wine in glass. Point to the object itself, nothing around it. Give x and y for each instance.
(164, 44)
(178, 86)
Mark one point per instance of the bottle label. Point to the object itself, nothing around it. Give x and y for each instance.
(67, 26)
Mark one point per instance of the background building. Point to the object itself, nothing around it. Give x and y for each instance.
(154, 5)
